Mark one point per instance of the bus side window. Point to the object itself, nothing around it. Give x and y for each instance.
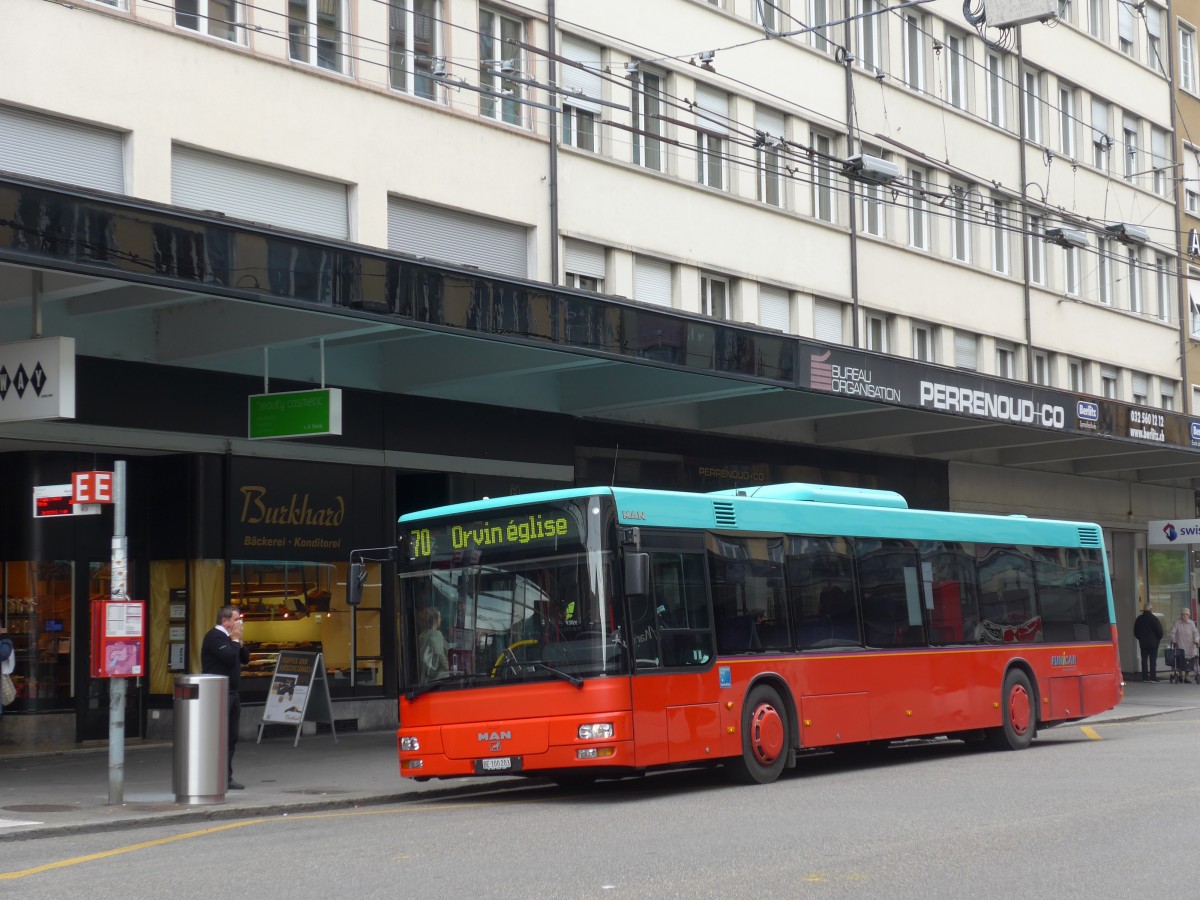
(822, 592)
(954, 591)
(680, 593)
(1006, 580)
(1095, 595)
(891, 593)
(1059, 574)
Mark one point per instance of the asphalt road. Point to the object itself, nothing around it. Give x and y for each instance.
(1099, 812)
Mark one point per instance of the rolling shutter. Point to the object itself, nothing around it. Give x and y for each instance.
(61, 150)
(1099, 120)
(1158, 149)
(1125, 23)
(769, 121)
(584, 259)
(827, 321)
(712, 110)
(586, 82)
(965, 350)
(458, 237)
(774, 310)
(652, 281)
(259, 193)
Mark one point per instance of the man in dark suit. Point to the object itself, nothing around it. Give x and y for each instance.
(222, 653)
(1148, 632)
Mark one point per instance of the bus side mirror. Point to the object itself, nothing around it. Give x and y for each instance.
(354, 584)
(637, 574)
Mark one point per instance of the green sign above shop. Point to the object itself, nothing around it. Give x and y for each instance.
(295, 414)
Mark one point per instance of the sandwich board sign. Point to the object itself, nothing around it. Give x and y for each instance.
(299, 693)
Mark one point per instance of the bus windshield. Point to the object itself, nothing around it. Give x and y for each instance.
(526, 595)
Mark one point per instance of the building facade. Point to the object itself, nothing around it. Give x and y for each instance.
(693, 245)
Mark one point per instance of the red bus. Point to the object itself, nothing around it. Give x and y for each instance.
(604, 632)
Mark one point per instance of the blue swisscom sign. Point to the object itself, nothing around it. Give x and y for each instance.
(1173, 532)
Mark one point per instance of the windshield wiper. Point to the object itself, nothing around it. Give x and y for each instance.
(511, 662)
(453, 678)
(565, 676)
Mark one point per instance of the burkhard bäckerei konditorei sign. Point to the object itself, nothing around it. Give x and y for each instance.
(281, 509)
(37, 379)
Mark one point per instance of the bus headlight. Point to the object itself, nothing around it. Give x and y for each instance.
(409, 743)
(595, 731)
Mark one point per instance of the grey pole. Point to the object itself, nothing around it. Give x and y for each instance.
(116, 686)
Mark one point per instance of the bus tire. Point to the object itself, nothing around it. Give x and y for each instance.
(765, 738)
(1018, 714)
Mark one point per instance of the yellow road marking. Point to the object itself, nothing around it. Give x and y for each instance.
(1090, 732)
(92, 857)
(159, 842)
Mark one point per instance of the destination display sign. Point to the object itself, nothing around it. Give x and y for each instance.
(509, 530)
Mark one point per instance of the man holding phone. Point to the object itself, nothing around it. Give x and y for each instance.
(223, 653)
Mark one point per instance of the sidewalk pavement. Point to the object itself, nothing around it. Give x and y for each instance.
(66, 792)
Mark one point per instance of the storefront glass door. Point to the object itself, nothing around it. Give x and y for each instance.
(37, 611)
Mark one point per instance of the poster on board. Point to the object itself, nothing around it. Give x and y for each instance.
(299, 693)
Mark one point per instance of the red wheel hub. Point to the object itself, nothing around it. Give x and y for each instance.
(766, 733)
(1020, 713)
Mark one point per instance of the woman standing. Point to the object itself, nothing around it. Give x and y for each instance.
(8, 662)
(1185, 638)
(434, 662)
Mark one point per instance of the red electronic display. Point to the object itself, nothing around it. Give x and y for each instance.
(58, 505)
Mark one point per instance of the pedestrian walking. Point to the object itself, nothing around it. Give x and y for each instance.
(1149, 634)
(223, 653)
(1185, 639)
(8, 662)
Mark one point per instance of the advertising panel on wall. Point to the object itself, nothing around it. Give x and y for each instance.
(37, 379)
(905, 383)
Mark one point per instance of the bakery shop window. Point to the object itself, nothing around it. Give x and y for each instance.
(36, 608)
(295, 606)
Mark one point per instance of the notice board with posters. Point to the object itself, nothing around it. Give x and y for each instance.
(299, 693)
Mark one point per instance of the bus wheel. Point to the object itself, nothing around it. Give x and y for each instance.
(764, 738)
(1018, 713)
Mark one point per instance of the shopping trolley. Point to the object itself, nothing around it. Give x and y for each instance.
(1182, 665)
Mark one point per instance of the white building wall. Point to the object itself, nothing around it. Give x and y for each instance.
(166, 86)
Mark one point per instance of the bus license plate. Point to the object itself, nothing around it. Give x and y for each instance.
(497, 765)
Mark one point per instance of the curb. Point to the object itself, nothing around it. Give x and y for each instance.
(265, 811)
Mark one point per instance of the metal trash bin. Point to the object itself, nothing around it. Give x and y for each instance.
(201, 738)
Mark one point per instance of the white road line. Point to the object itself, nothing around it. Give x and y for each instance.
(17, 823)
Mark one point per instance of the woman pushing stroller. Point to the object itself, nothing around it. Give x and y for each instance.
(1184, 639)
